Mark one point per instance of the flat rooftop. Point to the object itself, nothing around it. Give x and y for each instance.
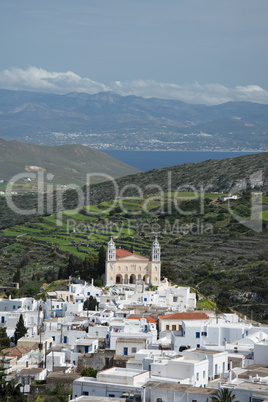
(180, 388)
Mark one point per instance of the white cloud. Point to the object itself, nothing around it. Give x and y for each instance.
(37, 79)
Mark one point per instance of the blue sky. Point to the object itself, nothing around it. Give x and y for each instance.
(205, 51)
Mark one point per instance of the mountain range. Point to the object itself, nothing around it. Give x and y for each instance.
(110, 121)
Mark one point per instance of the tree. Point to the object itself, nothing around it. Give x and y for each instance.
(89, 372)
(169, 271)
(102, 260)
(4, 339)
(20, 329)
(90, 303)
(60, 273)
(224, 395)
(16, 277)
(9, 389)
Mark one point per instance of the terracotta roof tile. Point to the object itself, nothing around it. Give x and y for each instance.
(122, 253)
(195, 315)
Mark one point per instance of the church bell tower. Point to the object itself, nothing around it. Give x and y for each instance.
(111, 250)
(156, 251)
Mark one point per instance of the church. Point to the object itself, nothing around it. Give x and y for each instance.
(123, 267)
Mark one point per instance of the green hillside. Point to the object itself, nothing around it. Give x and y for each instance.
(69, 164)
(203, 244)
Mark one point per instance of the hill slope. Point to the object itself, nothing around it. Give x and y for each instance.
(100, 120)
(212, 175)
(68, 163)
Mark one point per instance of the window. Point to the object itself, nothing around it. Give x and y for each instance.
(111, 395)
(133, 350)
(65, 339)
(145, 299)
(204, 333)
(167, 327)
(197, 376)
(88, 293)
(197, 335)
(204, 374)
(2, 320)
(14, 307)
(173, 327)
(85, 392)
(53, 337)
(223, 367)
(175, 299)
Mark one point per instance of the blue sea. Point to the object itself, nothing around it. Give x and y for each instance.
(148, 160)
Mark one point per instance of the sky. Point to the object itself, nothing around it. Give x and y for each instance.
(198, 51)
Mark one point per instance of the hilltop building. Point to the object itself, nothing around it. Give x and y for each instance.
(123, 267)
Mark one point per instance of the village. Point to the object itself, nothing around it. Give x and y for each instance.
(138, 338)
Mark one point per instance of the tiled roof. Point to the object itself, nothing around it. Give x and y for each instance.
(122, 253)
(149, 319)
(195, 315)
(16, 351)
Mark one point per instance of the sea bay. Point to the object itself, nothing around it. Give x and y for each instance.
(148, 160)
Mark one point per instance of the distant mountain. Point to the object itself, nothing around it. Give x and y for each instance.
(69, 164)
(110, 121)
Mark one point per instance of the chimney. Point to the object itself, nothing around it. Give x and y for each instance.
(230, 372)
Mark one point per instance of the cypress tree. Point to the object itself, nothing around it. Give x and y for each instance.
(20, 329)
(102, 259)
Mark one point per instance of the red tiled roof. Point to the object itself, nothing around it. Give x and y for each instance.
(122, 253)
(195, 315)
(149, 319)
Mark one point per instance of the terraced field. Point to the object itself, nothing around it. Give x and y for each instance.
(207, 248)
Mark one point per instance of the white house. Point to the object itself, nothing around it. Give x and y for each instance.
(186, 369)
(218, 361)
(113, 383)
(133, 332)
(203, 333)
(261, 353)
(156, 391)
